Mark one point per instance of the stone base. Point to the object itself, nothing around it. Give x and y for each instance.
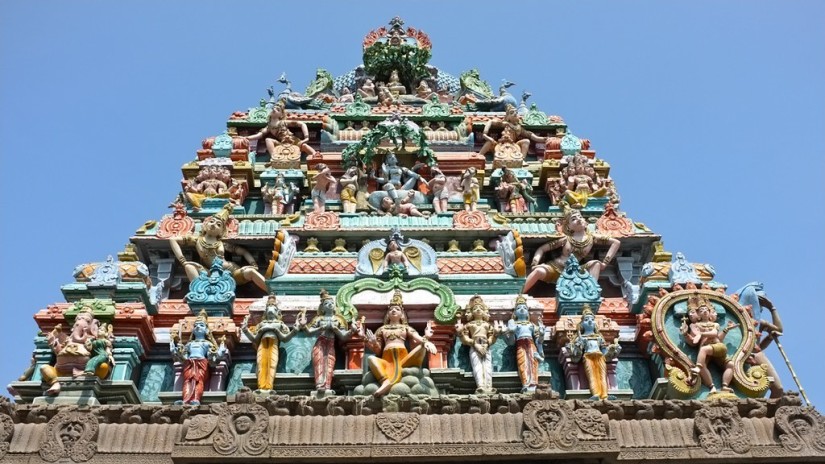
(618, 394)
(85, 391)
(414, 381)
(344, 382)
(207, 398)
(458, 381)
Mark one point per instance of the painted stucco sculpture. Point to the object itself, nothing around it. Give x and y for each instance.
(196, 355)
(528, 337)
(267, 336)
(479, 334)
(71, 350)
(589, 347)
(327, 326)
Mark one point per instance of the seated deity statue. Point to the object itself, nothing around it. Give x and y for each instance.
(277, 132)
(389, 343)
(589, 347)
(395, 181)
(197, 355)
(70, 350)
(213, 182)
(578, 241)
(395, 86)
(209, 245)
(367, 90)
(267, 337)
(424, 91)
(512, 132)
(582, 183)
(479, 334)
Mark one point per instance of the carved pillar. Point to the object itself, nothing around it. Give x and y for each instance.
(178, 368)
(572, 374)
(42, 356)
(355, 352)
(612, 383)
(443, 336)
(127, 352)
(220, 375)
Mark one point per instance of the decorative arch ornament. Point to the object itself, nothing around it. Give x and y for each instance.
(445, 311)
(683, 382)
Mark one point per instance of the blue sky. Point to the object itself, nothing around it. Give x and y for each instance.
(710, 113)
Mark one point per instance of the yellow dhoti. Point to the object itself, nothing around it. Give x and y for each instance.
(596, 369)
(389, 366)
(267, 363)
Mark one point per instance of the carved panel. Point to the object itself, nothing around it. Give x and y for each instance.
(549, 425)
(322, 221)
(242, 428)
(470, 220)
(70, 434)
(591, 422)
(799, 427)
(398, 425)
(719, 428)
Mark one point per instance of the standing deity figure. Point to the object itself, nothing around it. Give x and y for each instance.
(468, 184)
(278, 196)
(327, 325)
(266, 337)
(479, 334)
(321, 184)
(209, 245)
(102, 359)
(389, 342)
(72, 350)
(578, 241)
(529, 340)
(587, 345)
(706, 334)
(349, 189)
(277, 132)
(196, 355)
(512, 132)
(438, 185)
(513, 194)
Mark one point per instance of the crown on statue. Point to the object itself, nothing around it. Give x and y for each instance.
(587, 311)
(397, 299)
(521, 299)
(324, 294)
(696, 301)
(202, 317)
(224, 213)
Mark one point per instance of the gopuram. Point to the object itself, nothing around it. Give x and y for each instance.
(402, 264)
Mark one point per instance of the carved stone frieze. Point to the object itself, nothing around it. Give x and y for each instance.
(719, 428)
(591, 422)
(6, 427)
(800, 427)
(397, 425)
(70, 434)
(549, 424)
(242, 429)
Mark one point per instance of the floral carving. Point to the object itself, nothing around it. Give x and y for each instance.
(70, 434)
(590, 421)
(720, 427)
(613, 224)
(549, 425)
(470, 220)
(798, 427)
(177, 224)
(322, 221)
(397, 425)
(241, 429)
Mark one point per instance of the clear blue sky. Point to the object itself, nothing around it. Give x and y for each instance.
(711, 114)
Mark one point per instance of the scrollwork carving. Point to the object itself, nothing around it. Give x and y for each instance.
(721, 427)
(591, 422)
(70, 434)
(549, 425)
(798, 427)
(397, 425)
(241, 429)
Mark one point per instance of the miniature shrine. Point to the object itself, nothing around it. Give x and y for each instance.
(404, 264)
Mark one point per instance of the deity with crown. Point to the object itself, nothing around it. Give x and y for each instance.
(197, 354)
